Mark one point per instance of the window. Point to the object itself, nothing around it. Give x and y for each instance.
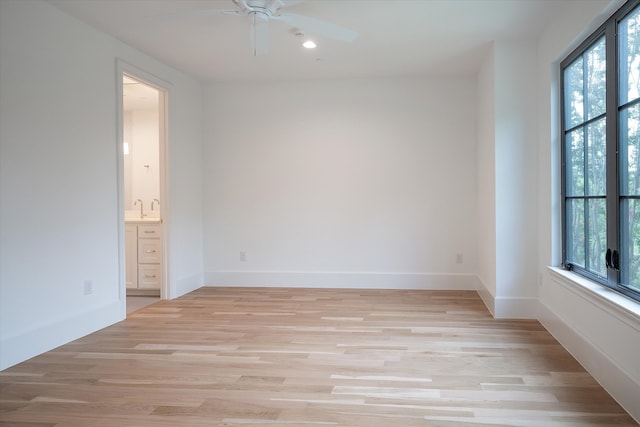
(601, 154)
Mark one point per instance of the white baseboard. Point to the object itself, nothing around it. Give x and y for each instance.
(508, 307)
(486, 296)
(359, 280)
(516, 308)
(607, 372)
(186, 285)
(21, 347)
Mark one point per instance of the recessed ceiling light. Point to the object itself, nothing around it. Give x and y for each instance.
(309, 44)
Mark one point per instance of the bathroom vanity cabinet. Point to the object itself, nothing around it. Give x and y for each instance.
(144, 255)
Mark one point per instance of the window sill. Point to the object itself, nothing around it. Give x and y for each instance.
(624, 308)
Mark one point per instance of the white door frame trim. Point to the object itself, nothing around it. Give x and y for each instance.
(165, 88)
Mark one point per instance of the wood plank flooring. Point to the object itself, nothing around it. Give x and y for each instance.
(309, 357)
(135, 303)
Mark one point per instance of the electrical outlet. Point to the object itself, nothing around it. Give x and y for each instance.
(243, 256)
(459, 259)
(88, 287)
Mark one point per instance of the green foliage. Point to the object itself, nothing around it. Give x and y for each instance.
(585, 82)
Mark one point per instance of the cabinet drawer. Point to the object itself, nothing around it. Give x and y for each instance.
(149, 276)
(149, 251)
(149, 232)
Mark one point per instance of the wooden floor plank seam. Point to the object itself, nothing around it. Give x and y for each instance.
(309, 357)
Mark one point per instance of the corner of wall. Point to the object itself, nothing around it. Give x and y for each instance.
(507, 307)
(186, 284)
(516, 308)
(486, 295)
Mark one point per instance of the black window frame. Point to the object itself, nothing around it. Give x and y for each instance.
(608, 31)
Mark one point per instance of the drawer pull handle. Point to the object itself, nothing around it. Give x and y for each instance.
(150, 251)
(150, 231)
(149, 277)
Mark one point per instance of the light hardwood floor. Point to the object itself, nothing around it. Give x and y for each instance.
(309, 357)
(135, 303)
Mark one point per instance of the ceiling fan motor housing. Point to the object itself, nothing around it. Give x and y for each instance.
(265, 8)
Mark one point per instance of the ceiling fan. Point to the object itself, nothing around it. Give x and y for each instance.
(260, 12)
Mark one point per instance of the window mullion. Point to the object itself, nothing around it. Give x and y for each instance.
(613, 182)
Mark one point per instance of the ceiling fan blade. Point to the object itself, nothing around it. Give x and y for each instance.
(317, 27)
(259, 35)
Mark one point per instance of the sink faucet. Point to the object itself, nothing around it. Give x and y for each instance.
(142, 215)
(155, 201)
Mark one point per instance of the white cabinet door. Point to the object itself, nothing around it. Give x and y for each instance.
(143, 256)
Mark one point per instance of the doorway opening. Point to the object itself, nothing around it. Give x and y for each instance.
(142, 130)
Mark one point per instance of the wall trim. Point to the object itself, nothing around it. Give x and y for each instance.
(165, 90)
(486, 296)
(508, 307)
(623, 308)
(606, 371)
(358, 280)
(185, 285)
(23, 346)
(516, 308)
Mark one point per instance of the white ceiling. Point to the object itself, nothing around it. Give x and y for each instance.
(396, 37)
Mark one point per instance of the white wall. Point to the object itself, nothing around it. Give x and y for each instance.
(127, 130)
(506, 162)
(486, 182)
(144, 151)
(354, 183)
(516, 174)
(58, 207)
(602, 336)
